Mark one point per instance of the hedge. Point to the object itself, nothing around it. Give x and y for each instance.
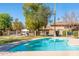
(64, 33)
(75, 34)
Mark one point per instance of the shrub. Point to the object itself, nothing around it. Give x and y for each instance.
(75, 34)
(69, 32)
(64, 33)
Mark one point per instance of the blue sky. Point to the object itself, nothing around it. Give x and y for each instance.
(63, 8)
(16, 11)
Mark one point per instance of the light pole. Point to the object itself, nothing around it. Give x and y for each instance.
(54, 19)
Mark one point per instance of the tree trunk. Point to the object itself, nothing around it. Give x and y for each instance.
(35, 33)
(16, 32)
(8, 33)
(38, 33)
(1, 33)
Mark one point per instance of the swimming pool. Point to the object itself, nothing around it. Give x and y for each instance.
(45, 44)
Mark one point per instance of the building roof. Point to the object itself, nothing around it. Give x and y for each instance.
(64, 24)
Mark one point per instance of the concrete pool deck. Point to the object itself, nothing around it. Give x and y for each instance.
(41, 53)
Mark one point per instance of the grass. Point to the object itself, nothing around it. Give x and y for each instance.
(10, 39)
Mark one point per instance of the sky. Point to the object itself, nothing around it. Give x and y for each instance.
(61, 9)
(16, 10)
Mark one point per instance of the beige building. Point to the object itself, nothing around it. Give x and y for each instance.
(60, 27)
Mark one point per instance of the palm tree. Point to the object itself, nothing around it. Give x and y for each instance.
(54, 19)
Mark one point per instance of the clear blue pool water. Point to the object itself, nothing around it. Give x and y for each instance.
(44, 44)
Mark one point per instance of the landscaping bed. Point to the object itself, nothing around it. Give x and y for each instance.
(10, 39)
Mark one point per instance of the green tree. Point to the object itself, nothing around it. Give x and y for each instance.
(17, 26)
(36, 16)
(5, 22)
